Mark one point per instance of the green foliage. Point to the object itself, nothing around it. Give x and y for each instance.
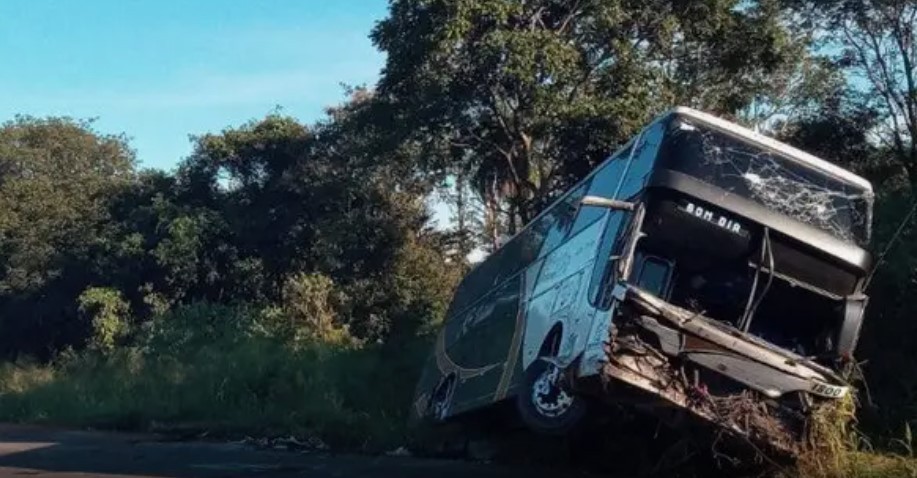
(248, 215)
(207, 366)
(56, 175)
(194, 325)
(108, 313)
(887, 342)
(527, 96)
(309, 308)
(56, 178)
(873, 42)
(285, 276)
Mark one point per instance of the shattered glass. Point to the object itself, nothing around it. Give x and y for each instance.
(782, 185)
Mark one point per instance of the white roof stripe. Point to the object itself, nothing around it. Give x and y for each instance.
(797, 155)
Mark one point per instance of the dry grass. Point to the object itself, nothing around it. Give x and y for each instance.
(834, 448)
(22, 377)
(830, 440)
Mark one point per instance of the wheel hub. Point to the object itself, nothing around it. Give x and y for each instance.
(548, 396)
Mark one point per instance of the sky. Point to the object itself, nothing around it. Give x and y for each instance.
(161, 70)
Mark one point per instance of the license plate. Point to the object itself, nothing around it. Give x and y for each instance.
(829, 391)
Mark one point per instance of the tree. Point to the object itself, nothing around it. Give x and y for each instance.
(251, 178)
(466, 229)
(56, 176)
(529, 95)
(840, 133)
(875, 45)
(291, 200)
(870, 128)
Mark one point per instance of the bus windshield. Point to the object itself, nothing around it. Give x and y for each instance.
(769, 178)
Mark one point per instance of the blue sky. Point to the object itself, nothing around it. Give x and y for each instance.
(159, 70)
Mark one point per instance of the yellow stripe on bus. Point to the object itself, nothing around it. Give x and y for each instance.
(513, 356)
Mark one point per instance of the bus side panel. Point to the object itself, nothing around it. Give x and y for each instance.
(446, 358)
(512, 370)
(565, 274)
(491, 346)
(430, 377)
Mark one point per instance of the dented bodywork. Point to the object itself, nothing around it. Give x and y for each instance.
(671, 353)
(737, 358)
(713, 369)
(702, 270)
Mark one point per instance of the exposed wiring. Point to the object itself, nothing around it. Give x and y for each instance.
(766, 245)
(754, 288)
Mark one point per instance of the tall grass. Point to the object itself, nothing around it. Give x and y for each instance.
(222, 378)
(836, 449)
(231, 370)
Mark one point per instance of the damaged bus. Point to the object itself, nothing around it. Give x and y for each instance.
(702, 269)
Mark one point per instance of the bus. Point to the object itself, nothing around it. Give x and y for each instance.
(699, 265)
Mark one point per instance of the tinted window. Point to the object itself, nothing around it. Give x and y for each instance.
(586, 216)
(608, 177)
(561, 216)
(654, 275)
(641, 166)
(475, 285)
(530, 243)
(540, 237)
(510, 259)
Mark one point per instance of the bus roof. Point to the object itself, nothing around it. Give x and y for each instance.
(792, 153)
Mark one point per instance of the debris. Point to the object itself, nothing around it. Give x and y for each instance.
(400, 451)
(647, 352)
(285, 443)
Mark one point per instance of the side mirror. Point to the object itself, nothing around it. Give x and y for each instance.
(609, 203)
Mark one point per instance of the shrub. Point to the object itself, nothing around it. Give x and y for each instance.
(211, 366)
(108, 313)
(309, 309)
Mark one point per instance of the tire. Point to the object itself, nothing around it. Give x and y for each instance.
(545, 405)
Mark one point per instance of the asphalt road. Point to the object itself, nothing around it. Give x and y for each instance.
(43, 452)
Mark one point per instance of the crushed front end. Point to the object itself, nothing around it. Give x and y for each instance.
(746, 387)
(740, 326)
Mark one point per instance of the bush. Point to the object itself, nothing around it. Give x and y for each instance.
(309, 310)
(108, 313)
(212, 367)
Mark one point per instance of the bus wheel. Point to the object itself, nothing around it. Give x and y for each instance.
(545, 404)
(441, 400)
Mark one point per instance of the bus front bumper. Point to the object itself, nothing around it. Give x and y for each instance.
(683, 361)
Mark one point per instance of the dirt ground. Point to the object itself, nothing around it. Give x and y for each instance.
(48, 452)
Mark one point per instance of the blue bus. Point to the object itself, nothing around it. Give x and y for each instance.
(699, 264)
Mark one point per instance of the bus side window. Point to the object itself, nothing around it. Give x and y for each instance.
(586, 216)
(562, 216)
(475, 285)
(653, 275)
(510, 259)
(607, 179)
(644, 159)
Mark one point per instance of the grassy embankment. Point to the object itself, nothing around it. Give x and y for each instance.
(235, 380)
(238, 380)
